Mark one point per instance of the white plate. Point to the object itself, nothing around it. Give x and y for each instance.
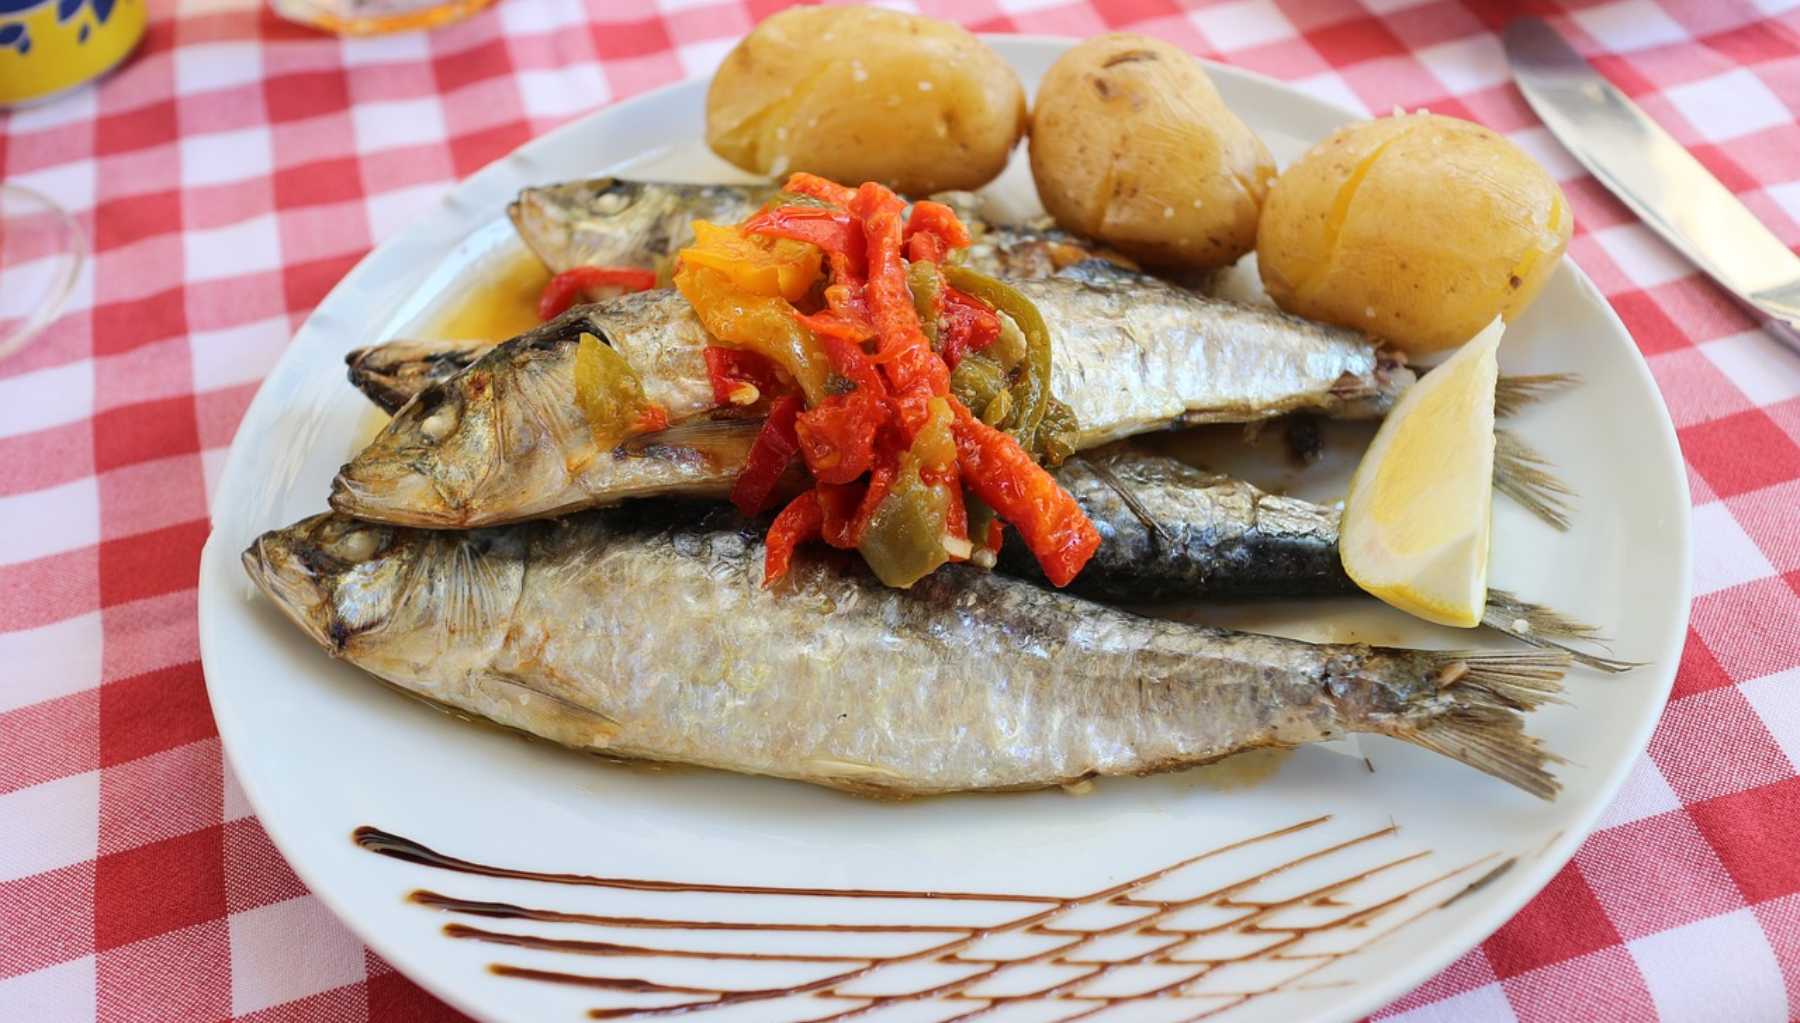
(320, 750)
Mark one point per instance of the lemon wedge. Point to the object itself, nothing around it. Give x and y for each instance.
(1416, 521)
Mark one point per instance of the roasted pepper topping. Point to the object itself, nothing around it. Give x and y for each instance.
(742, 378)
(757, 264)
(775, 448)
(760, 323)
(999, 472)
(902, 470)
(611, 396)
(590, 284)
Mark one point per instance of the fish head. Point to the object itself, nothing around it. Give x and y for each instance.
(388, 597)
(614, 222)
(391, 373)
(335, 576)
(431, 463)
(501, 440)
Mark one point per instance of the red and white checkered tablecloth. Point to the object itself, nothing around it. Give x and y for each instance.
(238, 166)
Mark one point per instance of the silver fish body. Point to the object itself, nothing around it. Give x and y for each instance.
(1172, 532)
(618, 222)
(1169, 531)
(643, 633)
(505, 440)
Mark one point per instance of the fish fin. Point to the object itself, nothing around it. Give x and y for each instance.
(1549, 629)
(725, 436)
(1513, 393)
(1138, 511)
(1476, 718)
(1524, 475)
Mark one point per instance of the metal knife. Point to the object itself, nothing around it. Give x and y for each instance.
(1651, 173)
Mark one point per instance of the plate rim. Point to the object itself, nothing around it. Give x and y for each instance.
(1367, 997)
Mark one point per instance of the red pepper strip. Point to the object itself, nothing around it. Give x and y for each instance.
(831, 323)
(934, 219)
(967, 325)
(850, 507)
(831, 230)
(956, 516)
(798, 522)
(770, 455)
(732, 370)
(999, 472)
(652, 418)
(914, 372)
(565, 288)
(837, 436)
(996, 535)
(925, 248)
(846, 296)
(802, 183)
(839, 503)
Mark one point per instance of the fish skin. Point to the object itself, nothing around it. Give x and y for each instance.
(610, 221)
(1215, 537)
(646, 633)
(1131, 355)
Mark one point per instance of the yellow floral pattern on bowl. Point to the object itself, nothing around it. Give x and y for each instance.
(49, 46)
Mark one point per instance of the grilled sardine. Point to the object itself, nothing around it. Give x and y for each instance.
(505, 440)
(646, 633)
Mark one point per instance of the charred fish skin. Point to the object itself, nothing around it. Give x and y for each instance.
(1193, 535)
(645, 633)
(1131, 355)
(610, 221)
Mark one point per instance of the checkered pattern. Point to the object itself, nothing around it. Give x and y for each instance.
(238, 166)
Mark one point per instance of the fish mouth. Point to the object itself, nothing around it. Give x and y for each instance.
(401, 497)
(282, 575)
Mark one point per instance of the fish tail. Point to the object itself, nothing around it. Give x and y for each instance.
(1524, 475)
(1549, 629)
(1475, 716)
(1513, 393)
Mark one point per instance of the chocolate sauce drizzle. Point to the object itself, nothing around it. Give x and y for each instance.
(1044, 916)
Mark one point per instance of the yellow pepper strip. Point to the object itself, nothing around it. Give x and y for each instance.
(758, 264)
(763, 324)
(611, 396)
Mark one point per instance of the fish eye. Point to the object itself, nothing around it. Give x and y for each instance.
(440, 422)
(357, 545)
(608, 203)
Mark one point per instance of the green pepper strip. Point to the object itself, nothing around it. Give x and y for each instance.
(1031, 393)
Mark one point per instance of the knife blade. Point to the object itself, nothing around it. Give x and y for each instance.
(1653, 175)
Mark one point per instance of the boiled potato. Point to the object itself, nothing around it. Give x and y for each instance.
(1131, 144)
(863, 94)
(1417, 228)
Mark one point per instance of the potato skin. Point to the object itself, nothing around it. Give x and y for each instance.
(865, 94)
(1418, 228)
(1131, 144)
